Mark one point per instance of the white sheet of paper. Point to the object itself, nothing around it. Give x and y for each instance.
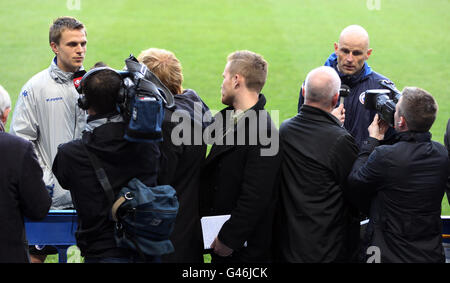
(211, 226)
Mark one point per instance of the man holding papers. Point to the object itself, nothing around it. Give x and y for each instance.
(239, 175)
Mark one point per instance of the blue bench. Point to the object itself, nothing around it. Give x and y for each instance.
(56, 229)
(59, 226)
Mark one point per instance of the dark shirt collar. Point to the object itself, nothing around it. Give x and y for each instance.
(319, 115)
(412, 136)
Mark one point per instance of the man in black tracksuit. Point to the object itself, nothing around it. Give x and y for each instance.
(401, 186)
(314, 222)
(241, 169)
(121, 160)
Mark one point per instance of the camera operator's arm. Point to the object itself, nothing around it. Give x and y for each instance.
(368, 169)
(378, 128)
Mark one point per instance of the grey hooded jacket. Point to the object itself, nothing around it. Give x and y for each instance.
(47, 114)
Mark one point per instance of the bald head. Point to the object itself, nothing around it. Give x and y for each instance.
(352, 50)
(322, 88)
(355, 33)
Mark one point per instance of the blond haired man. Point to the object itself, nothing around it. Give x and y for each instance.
(239, 179)
(184, 160)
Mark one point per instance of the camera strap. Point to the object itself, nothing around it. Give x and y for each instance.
(101, 175)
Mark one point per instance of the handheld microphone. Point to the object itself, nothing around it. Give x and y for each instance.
(344, 91)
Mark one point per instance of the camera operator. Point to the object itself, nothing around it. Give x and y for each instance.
(121, 160)
(401, 186)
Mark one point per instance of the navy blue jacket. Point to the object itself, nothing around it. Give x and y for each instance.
(402, 186)
(357, 118)
(181, 168)
(22, 193)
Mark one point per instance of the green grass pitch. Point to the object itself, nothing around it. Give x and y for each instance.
(410, 39)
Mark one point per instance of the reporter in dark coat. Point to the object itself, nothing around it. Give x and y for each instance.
(241, 169)
(401, 185)
(22, 194)
(314, 222)
(182, 160)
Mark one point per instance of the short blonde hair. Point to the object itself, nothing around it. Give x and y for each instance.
(251, 66)
(165, 66)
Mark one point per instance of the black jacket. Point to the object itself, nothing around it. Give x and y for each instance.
(22, 193)
(314, 221)
(402, 186)
(122, 160)
(239, 179)
(182, 164)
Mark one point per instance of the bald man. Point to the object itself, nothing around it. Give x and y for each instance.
(314, 222)
(349, 59)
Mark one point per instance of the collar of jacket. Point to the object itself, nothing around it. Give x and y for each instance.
(411, 136)
(218, 150)
(190, 102)
(98, 120)
(349, 79)
(59, 75)
(317, 114)
(107, 136)
(258, 106)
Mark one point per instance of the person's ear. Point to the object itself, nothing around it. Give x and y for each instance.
(237, 80)
(402, 121)
(334, 100)
(54, 47)
(4, 117)
(369, 52)
(336, 48)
